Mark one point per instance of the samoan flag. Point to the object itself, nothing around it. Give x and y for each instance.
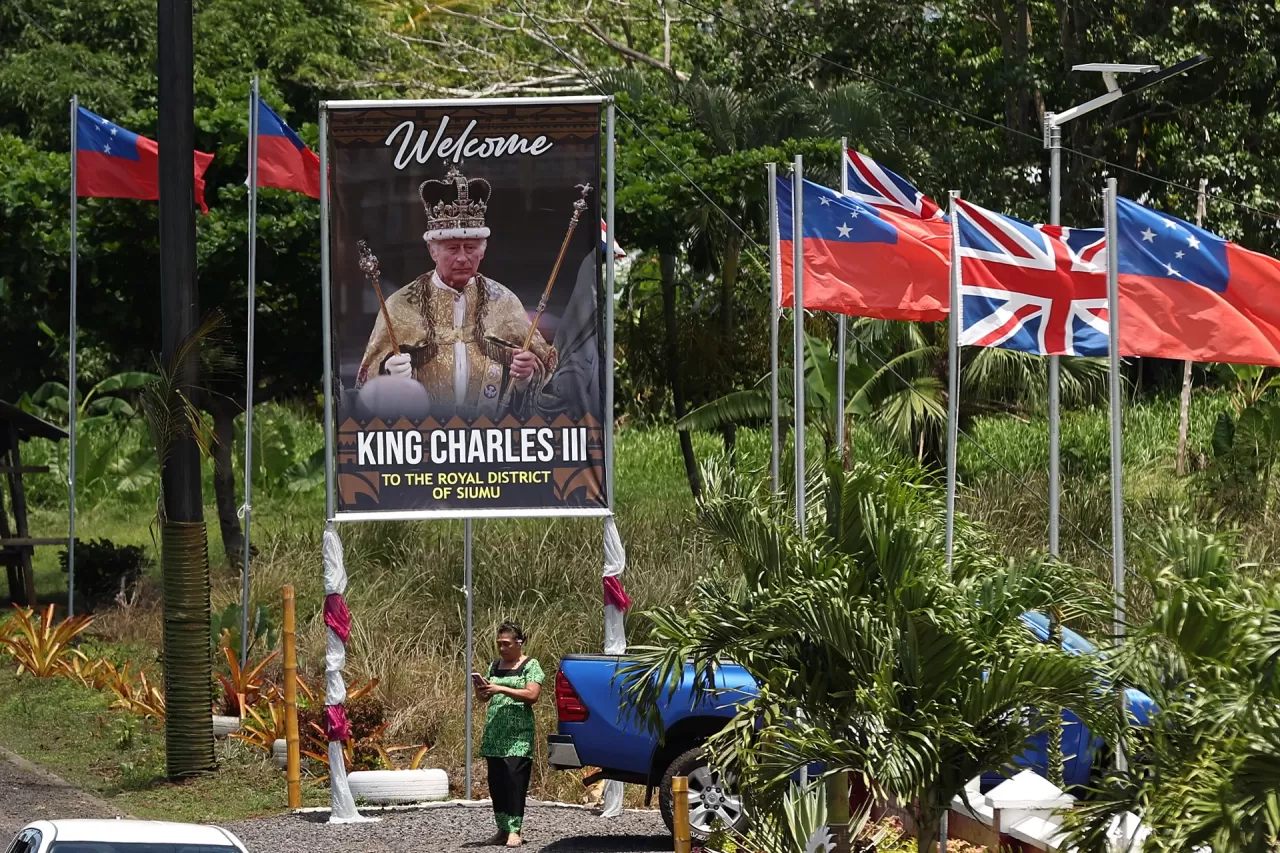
(1188, 294)
(873, 184)
(862, 260)
(284, 160)
(1035, 288)
(112, 162)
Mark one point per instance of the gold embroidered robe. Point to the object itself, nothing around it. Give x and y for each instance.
(491, 330)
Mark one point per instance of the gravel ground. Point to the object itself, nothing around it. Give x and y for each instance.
(457, 828)
(28, 793)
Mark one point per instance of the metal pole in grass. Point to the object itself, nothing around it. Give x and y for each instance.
(841, 329)
(1117, 462)
(775, 303)
(248, 369)
(71, 371)
(466, 585)
(797, 313)
(326, 314)
(293, 773)
(953, 381)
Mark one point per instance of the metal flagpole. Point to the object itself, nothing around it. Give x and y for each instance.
(954, 324)
(248, 368)
(466, 584)
(1053, 141)
(841, 323)
(797, 322)
(1117, 468)
(610, 267)
(775, 302)
(326, 314)
(72, 402)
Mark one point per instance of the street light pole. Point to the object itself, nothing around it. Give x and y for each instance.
(1148, 75)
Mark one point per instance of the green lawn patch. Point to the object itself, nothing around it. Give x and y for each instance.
(70, 730)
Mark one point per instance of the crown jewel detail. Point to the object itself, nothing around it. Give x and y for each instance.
(456, 205)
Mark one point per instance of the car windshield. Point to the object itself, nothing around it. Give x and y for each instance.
(127, 847)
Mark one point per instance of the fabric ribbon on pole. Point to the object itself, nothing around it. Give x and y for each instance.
(337, 728)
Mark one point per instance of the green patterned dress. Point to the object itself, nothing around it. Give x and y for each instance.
(508, 725)
(508, 740)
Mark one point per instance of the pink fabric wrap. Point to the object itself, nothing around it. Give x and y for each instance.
(614, 594)
(336, 726)
(337, 616)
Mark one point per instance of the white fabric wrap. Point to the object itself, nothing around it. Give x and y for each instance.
(615, 562)
(615, 642)
(335, 573)
(342, 806)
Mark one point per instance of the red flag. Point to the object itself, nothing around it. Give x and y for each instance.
(865, 261)
(284, 161)
(112, 162)
(1186, 293)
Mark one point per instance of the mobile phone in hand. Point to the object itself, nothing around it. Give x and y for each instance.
(478, 680)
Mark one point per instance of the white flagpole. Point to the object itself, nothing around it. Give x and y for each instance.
(1117, 468)
(248, 367)
(797, 312)
(71, 369)
(775, 301)
(841, 323)
(954, 324)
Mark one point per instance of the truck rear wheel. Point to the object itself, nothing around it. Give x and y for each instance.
(714, 798)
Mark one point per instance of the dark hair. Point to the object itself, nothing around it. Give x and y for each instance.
(512, 628)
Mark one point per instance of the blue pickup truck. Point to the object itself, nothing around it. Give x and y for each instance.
(593, 731)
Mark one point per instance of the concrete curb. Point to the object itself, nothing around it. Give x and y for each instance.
(465, 804)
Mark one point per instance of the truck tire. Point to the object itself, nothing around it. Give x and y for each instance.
(713, 799)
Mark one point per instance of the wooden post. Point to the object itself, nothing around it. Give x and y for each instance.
(680, 813)
(293, 771)
(20, 517)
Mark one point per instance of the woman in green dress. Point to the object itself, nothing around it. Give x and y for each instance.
(513, 684)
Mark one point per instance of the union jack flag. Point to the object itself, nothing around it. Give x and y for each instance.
(873, 184)
(1035, 288)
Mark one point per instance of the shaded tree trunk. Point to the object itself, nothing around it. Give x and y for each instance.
(728, 284)
(668, 264)
(224, 479)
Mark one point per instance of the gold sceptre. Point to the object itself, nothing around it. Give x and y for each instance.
(369, 266)
(578, 207)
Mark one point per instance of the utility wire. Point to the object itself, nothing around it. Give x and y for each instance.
(587, 76)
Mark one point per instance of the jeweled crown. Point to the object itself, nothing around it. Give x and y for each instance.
(455, 206)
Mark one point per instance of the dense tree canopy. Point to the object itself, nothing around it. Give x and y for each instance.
(951, 92)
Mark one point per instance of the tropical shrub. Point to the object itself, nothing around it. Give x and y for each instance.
(870, 657)
(40, 646)
(106, 572)
(1206, 769)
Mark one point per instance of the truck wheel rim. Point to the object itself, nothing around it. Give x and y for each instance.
(712, 797)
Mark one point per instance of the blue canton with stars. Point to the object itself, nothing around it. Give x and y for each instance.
(830, 216)
(95, 133)
(1156, 245)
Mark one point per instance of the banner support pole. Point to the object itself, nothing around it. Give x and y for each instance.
(610, 271)
(954, 324)
(326, 313)
(841, 328)
(248, 368)
(775, 309)
(1117, 461)
(797, 302)
(467, 586)
(72, 402)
